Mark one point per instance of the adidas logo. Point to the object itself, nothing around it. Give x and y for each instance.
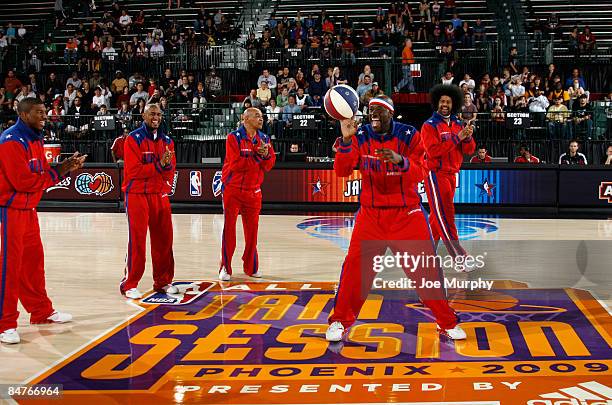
(588, 393)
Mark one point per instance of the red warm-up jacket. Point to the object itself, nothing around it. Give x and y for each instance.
(443, 149)
(243, 169)
(24, 171)
(384, 184)
(143, 172)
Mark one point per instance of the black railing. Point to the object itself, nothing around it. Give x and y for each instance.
(201, 133)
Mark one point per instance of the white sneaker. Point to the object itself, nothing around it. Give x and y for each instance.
(334, 332)
(60, 317)
(170, 289)
(133, 293)
(257, 275)
(456, 333)
(10, 337)
(224, 275)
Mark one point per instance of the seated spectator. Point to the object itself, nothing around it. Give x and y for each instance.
(11, 33)
(572, 156)
(263, 93)
(300, 80)
(199, 100)
(572, 41)
(98, 100)
(283, 98)
(538, 106)
(317, 87)
(481, 155)
(607, 159)
(479, 31)
(125, 22)
(79, 118)
(139, 23)
(582, 117)
(375, 91)
(525, 156)
(456, 21)
(302, 100)
(139, 94)
(448, 78)
(271, 80)
(587, 41)
(70, 52)
(252, 97)
(157, 49)
(118, 84)
(117, 147)
(4, 44)
(289, 110)
(364, 87)
(574, 92)
(557, 117)
(469, 111)
(124, 115)
(558, 92)
(109, 53)
(467, 79)
(273, 113)
(576, 75)
(74, 80)
(515, 90)
(25, 91)
(214, 84)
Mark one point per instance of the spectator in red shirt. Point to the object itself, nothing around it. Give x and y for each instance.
(117, 148)
(586, 40)
(328, 27)
(481, 156)
(11, 83)
(525, 156)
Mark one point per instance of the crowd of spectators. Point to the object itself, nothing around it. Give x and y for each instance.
(436, 23)
(117, 35)
(562, 107)
(73, 102)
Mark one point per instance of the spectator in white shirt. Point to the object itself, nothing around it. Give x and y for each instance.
(538, 106)
(69, 96)
(271, 79)
(469, 81)
(157, 49)
(273, 113)
(21, 32)
(109, 53)
(125, 22)
(140, 93)
(74, 80)
(98, 99)
(448, 78)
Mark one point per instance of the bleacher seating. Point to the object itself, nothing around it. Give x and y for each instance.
(594, 13)
(363, 13)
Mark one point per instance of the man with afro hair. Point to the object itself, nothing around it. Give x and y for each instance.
(446, 140)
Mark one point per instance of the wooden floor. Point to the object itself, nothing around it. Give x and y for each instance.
(85, 259)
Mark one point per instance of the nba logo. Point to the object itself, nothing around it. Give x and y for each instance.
(217, 185)
(195, 183)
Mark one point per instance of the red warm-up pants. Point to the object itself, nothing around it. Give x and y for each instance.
(22, 271)
(440, 188)
(247, 203)
(402, 230)
(153, 212)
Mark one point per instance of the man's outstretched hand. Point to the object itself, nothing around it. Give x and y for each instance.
(74, 162)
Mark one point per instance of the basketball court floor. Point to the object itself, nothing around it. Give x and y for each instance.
(543, 333)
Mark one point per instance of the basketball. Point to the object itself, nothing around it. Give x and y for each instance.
(341, 102)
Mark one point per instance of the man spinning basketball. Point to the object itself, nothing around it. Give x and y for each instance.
(391, 160)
